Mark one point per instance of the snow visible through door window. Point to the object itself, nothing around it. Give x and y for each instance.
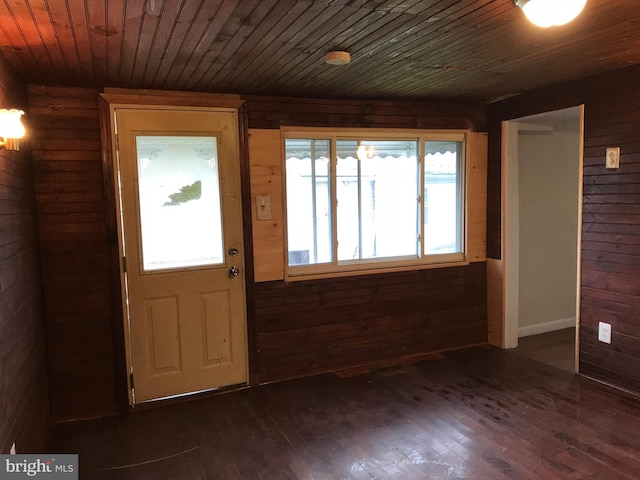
(179, 198)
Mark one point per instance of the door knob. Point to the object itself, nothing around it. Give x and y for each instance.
(233, 272)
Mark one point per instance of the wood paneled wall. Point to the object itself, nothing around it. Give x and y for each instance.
(356, 319)
(74, 249)
(325, 325)
(274, 112)
(24, 400)
(611, 222)
(312, 326)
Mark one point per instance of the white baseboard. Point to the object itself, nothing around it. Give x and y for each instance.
(546, 327)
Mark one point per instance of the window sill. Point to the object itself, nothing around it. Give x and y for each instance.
(372, 269)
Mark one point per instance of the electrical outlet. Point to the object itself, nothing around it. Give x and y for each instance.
(604, 332)
(13, 449)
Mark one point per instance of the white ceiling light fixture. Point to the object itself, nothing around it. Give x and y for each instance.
(551, 13)
(337, 57)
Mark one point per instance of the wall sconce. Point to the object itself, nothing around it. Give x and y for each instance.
(11, 128)
(550, 13)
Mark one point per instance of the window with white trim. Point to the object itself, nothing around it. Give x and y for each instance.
(362, 200)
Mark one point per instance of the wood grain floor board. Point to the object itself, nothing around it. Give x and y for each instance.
(478, 413)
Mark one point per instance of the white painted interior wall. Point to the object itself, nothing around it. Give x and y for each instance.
(548, 194)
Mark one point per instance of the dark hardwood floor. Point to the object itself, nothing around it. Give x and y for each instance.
(479, 413)
(557, 349)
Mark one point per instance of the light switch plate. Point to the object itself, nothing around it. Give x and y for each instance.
(263, 208)
(613, 157)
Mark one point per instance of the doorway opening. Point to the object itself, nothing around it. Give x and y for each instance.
(542, 198)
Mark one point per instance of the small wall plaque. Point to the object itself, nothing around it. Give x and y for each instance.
(613, 157)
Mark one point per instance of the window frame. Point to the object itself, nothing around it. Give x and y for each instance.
(338, 268)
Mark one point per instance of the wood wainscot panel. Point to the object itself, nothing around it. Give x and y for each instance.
(315, 326)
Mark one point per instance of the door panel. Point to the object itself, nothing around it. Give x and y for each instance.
(216, 328)
(162, 318)
(181, 216)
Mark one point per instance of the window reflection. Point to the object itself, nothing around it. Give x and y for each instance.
(179, 198)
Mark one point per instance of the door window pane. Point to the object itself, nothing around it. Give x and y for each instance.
(442, 198)
(308, 201)
(377, 195)
(179, 198)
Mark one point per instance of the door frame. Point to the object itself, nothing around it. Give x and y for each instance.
(510, 225)
(111, 99)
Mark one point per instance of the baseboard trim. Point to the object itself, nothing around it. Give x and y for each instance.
(546, 327)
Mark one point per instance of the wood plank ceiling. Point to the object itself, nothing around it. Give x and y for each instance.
(467, 50)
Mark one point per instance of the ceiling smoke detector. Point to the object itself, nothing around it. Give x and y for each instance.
(337, 58)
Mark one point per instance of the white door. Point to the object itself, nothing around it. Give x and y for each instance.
(182, 241)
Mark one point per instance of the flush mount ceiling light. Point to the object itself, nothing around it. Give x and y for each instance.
(337, 58)
(550, 13)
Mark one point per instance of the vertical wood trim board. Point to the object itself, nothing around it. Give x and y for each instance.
(495, 302)
(265, 154)
(477, 198)
(247, 232)
(115, 282)
(579, 254)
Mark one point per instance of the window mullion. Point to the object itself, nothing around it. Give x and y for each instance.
(421, 206)
(333, 167)
(359, 163)
(314, 199)
(461, 186)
